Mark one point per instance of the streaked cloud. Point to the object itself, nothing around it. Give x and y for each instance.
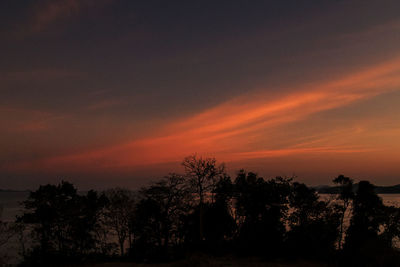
(16, 120)
(238, 129)
(37, 75)
(46, 13)
(104, 104)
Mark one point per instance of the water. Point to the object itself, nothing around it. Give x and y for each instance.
(391, 199)
(10, 205)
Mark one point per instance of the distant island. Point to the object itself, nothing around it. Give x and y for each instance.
(391, 189)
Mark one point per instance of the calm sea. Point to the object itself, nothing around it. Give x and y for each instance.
(10, 204)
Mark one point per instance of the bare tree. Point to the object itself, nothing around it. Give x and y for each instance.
(117, 214)
(172, 198)
(202, 174)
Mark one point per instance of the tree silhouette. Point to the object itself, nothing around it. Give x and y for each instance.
(202, 174)
(64, 222)
(157, 222)
(203, 210)
(366, 217)
(313, 224)
(391, 225)
(345, 196)
(118, 211)
(219, 223)
(261, 208)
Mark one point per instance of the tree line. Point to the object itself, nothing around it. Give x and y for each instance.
(204, 209)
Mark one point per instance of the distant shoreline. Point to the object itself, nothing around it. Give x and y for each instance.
(391, 189)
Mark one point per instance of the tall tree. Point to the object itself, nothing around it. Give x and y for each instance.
(117, 214)
(219, 222)
(157, 224)
(173, 198)
(202, 174)
(345, 197)
(261, 209)
(64, 221)
(313, 224)
(366, 217)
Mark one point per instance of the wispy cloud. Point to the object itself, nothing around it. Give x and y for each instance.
(235, 130)
(104, 104)
(54, 10)
(295, 151)
(46, 13)
(37, 75)
(17, 120)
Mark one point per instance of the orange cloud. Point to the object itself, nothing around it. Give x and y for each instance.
(294, 151)
(235, 130)
(23, 120)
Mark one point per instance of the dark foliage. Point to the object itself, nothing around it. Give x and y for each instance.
(366, 219)
(204, 211)
(64, 222)
(313, 224)
(261, 208)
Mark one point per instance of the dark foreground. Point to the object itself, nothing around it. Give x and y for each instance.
(203, 212)
(204, 260)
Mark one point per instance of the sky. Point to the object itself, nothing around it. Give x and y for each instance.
(107, 93)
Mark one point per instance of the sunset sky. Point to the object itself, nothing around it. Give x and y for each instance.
(108, 93)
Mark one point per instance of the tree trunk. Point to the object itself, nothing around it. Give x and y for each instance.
(341, 231)
(121, 246)
(130, 241)
(201, 219)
